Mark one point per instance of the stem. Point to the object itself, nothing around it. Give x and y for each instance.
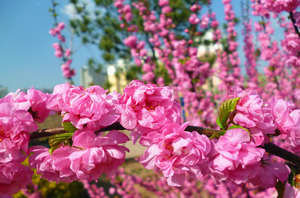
(269, 147)
(62, 48)
(294, 21)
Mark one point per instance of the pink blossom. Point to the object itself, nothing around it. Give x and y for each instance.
(280, 5)
(57, 92)
(281, 111)
(13, 177)
(269, 173)
(131, 41)
(148, 76)
(18, 99)
(111, 190)
(235, 157)
(176, 152)
(56, 46)
(104, 154)
(58, 54)
(67, 53)
(84, 107)
(166, 9)
(15, 126)
(195, 7)
(251, 112)
(52, 32)
(290, 191)
(38, 102)
(42, 160)
(128, 17)
(163, 3)
(60, 26)
(89, 157)
(146, 108)
(194, 19)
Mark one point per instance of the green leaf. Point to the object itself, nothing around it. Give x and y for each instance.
(68, 126)
(57, 139)
(226, 108)
(219, 123)
(280, 189)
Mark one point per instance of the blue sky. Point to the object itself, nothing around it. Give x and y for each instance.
(26, 54)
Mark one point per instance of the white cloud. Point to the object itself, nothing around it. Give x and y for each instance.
(70, 10)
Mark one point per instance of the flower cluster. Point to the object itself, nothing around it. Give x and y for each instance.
(176, 152)
(16, 123)
(146, 108)
(61, 52)
(152, 114)
(88, 108)
(90, 156)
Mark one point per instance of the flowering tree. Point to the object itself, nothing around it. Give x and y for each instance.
(238, 155)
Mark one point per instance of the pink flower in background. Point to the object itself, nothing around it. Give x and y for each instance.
(280, 5)
(67, 53)
(163, 3)
(176, 152)
(146, 108)
(60, 26)
(194, 19)
(58, 54)
(131, 41)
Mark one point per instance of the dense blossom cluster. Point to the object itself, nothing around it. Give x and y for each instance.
(152, 114)
(233, 158)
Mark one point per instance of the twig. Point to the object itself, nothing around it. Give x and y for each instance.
(294, 21)
(269, 147)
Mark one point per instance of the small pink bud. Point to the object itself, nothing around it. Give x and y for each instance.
(111, 190)
(61, 26)
(67, 53)
(52, 32)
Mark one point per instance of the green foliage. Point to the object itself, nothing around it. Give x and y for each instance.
(68, 126)
(133, 72)
(161, 71)
(95, 66)
(225, 109)
(57, 139)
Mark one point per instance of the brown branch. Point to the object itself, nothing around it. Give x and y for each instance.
(294, 21)
(269, 147)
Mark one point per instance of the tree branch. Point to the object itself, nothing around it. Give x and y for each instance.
(269, 147)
